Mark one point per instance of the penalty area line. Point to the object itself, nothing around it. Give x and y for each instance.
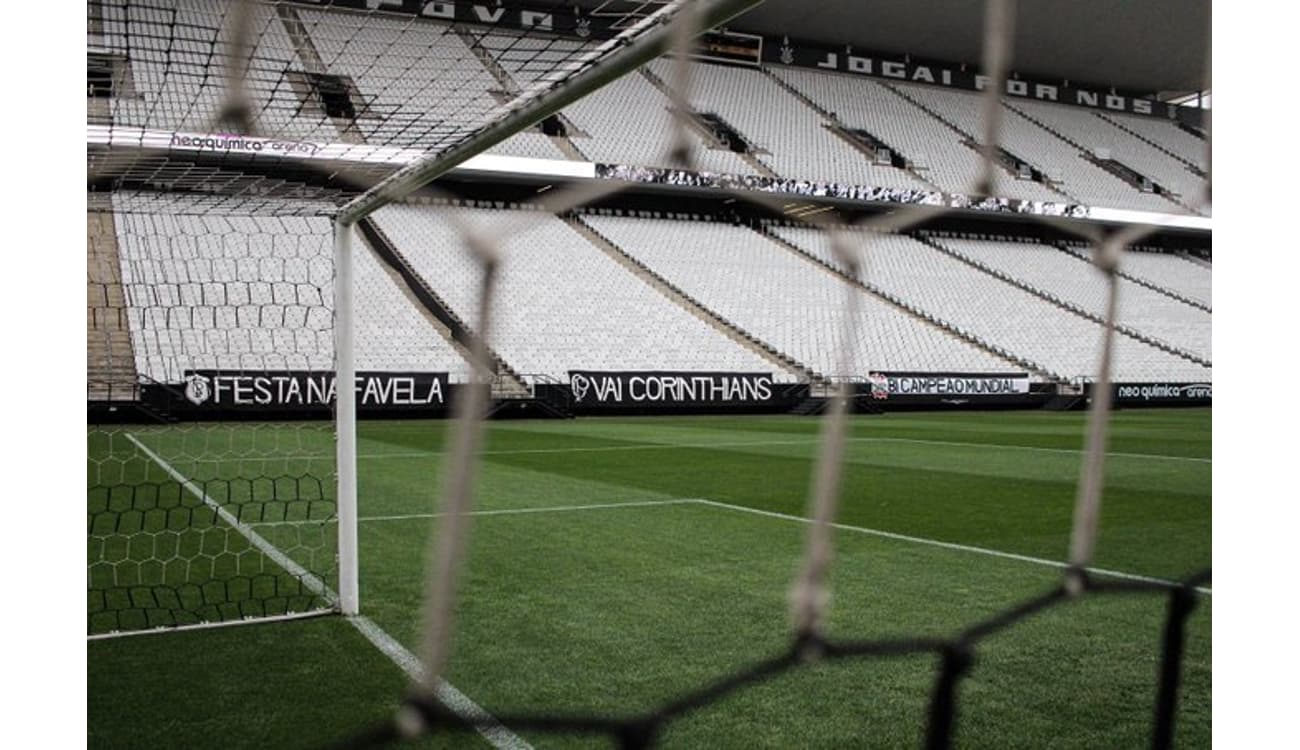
(492, 730)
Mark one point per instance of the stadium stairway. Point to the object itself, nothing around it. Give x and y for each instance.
(690, 304)
(911, 310)
(1079, 252)
(490, 64)
(1053, 299)
(511, 88)
(1198, 261)
(507, 384)
(705, 133)
(110, 358)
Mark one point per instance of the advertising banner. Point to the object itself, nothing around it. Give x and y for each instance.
(1137, 394)
(818, 56)
(972, 390)
(594, 390)
(224, 391)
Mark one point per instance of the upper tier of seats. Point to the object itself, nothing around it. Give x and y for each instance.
(789, 136)
(1063, 164)
(605, 117)
(421, 83)
(256, 293)
(934, 149)
(1093, 134)
(176, 66)
(1179, 143)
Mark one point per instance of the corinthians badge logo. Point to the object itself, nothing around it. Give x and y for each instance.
(197, 389)
(787, 52)
(580, 385)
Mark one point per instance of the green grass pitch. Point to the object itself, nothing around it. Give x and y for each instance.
(618, 609)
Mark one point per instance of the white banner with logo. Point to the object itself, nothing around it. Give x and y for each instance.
(1158, 393)
(224, 390)
(612, 389)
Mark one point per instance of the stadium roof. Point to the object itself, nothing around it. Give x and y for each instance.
(1146, 46)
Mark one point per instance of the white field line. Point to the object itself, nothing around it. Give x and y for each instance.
(719, 444)
(496, 512)
(945, 545)
(460, 704)
(210, 625)
(1036, 449)
(784, 516)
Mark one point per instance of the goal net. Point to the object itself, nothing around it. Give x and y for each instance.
(199, 317)
(481, 240)
(223, 138)
(253, 166)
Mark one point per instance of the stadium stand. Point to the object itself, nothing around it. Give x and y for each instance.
(519, 62)
(459, 74)
(1166, 136)
(1189, 279)
(790, 137)
(934, 148)
(426, 68)
(1067, 277)
(528, 59)
(1095, 135)
(969, 299)
(249, 293)
(562, 303)
(1074, 175)
(607, 118)
(171, 51)
(429, 67)
(786, 301)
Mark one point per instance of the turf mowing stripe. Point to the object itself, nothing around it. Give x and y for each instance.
(1039, 449)
(497, 512)
(719, 444)
(947, 545)
(459, 703)
(808, 441)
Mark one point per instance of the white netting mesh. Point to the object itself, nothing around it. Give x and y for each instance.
(223, 136)
(237, 275)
